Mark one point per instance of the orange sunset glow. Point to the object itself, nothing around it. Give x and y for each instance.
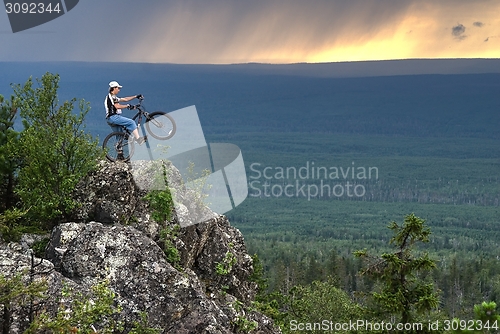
(297, 33)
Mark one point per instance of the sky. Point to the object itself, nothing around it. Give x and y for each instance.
(263, 31)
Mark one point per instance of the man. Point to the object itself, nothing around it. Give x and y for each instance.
(114, 110)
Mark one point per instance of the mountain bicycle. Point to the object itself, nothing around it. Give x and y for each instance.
(119, 145)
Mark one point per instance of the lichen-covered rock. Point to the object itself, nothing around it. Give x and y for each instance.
(212, 245)
(138, 272)
(115, 238)
(108, 195)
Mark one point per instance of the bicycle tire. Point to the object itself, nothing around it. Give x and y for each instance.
(118, 146)
(160, 129)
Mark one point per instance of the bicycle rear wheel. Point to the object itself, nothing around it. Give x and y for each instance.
(160, 125)
(118, 146)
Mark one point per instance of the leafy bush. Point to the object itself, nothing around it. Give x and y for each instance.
(54, 148)
(319, 301)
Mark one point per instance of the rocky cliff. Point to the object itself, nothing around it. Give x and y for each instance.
(113, 238)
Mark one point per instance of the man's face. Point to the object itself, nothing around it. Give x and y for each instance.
(115, 90)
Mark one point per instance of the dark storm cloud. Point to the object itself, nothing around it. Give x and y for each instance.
(124, 29)
(478, 24)
(458, 31)
(274, 30)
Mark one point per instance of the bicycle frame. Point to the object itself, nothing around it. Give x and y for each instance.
(140, 111)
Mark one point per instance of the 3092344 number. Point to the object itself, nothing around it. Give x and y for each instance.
(470, 325)
(31, 8)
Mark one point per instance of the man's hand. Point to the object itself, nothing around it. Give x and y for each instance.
(131, 107)
(140, 96)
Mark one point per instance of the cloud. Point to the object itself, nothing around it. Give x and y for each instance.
(268, 30)
(283, 31)
(274, 31)
(458, 31)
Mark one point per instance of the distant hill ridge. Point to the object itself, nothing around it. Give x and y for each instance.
(331, 70)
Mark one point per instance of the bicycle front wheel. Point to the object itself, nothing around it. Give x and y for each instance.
(160, 125)
(118, 146)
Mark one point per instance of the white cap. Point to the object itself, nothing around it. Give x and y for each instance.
(114, 84)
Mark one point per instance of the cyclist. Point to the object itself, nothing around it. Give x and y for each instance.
(114, 110)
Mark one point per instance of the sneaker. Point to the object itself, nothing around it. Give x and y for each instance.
(141, 140)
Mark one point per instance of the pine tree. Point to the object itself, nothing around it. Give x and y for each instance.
(403, 292)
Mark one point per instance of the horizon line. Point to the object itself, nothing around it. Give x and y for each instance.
(248, 63)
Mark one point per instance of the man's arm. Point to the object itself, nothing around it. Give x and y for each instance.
(124, 99)
(129, 98)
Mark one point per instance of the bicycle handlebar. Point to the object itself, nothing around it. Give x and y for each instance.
(136, 106)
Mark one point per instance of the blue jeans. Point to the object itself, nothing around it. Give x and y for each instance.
(117, 121)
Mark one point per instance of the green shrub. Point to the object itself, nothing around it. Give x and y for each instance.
(168, 235)
(54, 149)
(225, 267)
(160, 201)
